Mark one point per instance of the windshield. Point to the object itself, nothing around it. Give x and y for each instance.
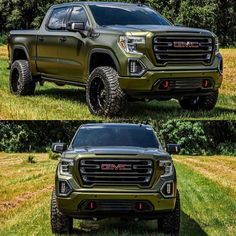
(126, 15)
(125, 136)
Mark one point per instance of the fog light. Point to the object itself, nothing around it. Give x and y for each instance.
(139, 206)
(206, 83)
(165, 84)
(64, 188)
(91, 205)
(136, 67)
(167, 189)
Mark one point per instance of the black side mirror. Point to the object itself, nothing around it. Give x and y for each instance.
(75, 26)
(173, 148)
(59, 147)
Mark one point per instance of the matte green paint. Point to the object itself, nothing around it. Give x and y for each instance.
(70, 61)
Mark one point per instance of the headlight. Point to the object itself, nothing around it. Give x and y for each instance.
(217, 44)
(129, 43)
(65, 166)
(168, 167)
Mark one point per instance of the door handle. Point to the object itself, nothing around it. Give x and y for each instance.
(41, 38)
(63, 39)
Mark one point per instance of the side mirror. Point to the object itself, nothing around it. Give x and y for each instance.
(75, 26)
(173, 148)
(59, 147)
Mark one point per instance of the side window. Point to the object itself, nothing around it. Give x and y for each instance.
(79, 15)
(57, 19)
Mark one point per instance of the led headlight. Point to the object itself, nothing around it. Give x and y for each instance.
(168, 167)
(129, 43)
(217, 44)
(65, 166)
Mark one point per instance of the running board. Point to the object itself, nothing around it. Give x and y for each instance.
(65, 82)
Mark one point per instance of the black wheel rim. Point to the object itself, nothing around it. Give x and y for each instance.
(195, 101)
(98, 94)
(15, 80)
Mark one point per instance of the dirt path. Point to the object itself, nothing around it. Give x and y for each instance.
(19, 200)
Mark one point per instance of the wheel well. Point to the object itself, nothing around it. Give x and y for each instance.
(19, 54)
(101, 59)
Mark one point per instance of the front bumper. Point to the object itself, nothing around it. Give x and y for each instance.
(146, 86)
(184, 79)
(73, 205)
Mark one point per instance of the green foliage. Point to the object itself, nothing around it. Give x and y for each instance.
(3, 39)
(190, 135)
(216, 15)
(227, 148)
(16, 138)
(52, 155)
(30, 159)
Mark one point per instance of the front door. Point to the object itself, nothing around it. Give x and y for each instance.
(72, 49)
(48, 43)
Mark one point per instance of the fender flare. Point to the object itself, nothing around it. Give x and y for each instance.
(20, 48)
(104, 51)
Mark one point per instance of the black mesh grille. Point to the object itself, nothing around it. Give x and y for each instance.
(116, 205)
(176, 49)
(111, 171)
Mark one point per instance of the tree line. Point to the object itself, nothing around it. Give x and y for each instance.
(218, 16)
(195, 137)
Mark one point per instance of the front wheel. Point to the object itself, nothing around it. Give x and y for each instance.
(60, 224)
(204, 103)
(170, 223)
(103, 93)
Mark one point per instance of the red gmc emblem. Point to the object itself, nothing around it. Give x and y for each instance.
(188, 44)
(118, 167)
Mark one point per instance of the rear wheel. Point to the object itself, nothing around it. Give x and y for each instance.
(170, 223)
(21, 81)
(59, 223)
(205, 103)
(103, 93)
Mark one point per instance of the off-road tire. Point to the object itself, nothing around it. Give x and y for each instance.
(111, 100)
(204, 103)
(21, 81)
(170, 223)
(60, 224)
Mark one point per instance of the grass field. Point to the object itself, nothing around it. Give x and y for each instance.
(207, 188)
(55, 103)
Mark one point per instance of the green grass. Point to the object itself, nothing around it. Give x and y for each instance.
(208, 202)
(68, 103)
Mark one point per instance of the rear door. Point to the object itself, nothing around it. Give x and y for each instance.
(48, 42)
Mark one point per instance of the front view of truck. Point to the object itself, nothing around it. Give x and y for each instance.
(115, 170)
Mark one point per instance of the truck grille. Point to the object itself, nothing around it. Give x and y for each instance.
(174, 49)
(116, 172)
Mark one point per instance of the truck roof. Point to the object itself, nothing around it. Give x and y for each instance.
(116, 125)
(97, 3)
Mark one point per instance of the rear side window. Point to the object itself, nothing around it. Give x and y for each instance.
(58, 19)
(79, 15)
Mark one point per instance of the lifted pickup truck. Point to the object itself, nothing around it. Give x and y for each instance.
(117, 51)
(124, 173)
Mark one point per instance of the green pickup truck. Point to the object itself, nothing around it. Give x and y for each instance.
(124, 173)
(119, 52)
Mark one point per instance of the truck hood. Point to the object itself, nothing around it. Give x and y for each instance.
(117, 151)
(158, 28)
